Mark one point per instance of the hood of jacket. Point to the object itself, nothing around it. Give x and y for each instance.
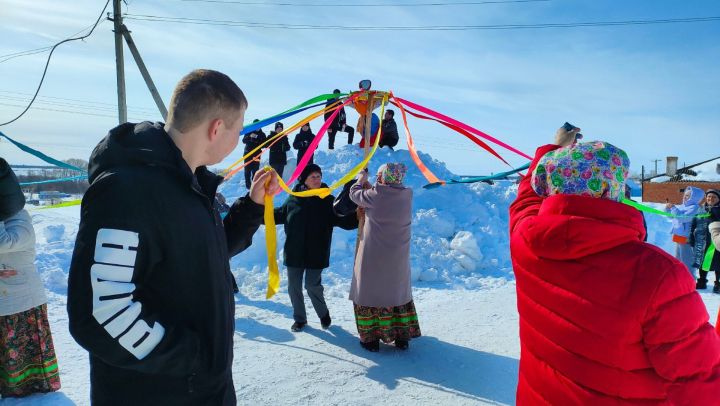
(568, 227)
(145, 144)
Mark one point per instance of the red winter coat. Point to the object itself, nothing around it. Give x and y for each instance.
(604, 317)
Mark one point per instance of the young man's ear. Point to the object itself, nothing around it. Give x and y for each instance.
(214, 129)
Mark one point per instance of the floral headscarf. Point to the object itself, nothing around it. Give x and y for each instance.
(595, 169)
(392, 173)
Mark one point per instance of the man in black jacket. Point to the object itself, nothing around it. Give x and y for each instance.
(252, 163)
(339, 123)
(390, 135)
(278, 150)
(150, 289)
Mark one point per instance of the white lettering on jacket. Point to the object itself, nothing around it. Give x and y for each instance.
(113, 307)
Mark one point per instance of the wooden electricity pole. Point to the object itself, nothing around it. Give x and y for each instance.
(119, 62)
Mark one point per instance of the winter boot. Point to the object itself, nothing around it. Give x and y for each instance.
(372, 346)
(402, 344)
(716, 288)
(702, 283)
(297, 326)
(325, 321)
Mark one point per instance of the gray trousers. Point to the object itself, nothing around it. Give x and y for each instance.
(314, 288)
(684, 252)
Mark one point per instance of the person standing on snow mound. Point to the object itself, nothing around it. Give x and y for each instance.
(302, 142)
(252, 163)
(681, 224)
(309, 223)
(705, 258)
(150, 293)
(604, 317)
(338, 124)
(381, 291)
(278, 150)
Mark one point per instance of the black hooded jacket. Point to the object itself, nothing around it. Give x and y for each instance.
(150, 289)
(278, 151)
(252, 140)
(309, 223)
(302, 142)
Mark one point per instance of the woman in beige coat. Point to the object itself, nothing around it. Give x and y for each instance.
(380, 289)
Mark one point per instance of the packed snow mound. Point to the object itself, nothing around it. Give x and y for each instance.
(459, 233)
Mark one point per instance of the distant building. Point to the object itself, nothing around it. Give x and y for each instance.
(669, 187)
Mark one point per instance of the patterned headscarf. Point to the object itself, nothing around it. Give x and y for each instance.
(392, 173)
(595, 169)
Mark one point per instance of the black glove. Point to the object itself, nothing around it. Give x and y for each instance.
(715, 213)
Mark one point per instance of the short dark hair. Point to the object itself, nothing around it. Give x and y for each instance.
(391, 112)
(204, 94)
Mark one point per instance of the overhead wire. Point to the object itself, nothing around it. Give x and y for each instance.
(47, 64)
(418, 4)
(250, 24)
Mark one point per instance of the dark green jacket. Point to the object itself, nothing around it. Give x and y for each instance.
(309, 223)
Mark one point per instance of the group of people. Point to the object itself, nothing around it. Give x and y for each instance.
(691, 233)
(278, 149)
(605, 318)
(380, 289)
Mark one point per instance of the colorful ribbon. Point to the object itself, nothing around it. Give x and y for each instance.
(475, 179)
(41, 155)
(291, 111)
(464, 126)
(273, 284)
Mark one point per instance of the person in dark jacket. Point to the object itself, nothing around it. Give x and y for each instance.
(339, 123)
(278, 150)
(309, 223)
(389, 135)
(150, 289)
(699, 239)
(252, 163)
(302, 142)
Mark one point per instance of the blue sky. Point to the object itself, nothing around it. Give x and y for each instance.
(653, 90)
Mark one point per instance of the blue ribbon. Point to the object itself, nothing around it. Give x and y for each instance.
(42, 156)
(40, 182)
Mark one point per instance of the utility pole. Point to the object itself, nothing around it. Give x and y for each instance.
(656, 161)
(145, 74)
(119, 62)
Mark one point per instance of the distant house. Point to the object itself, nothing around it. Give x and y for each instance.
(669, 187)
(52, 195)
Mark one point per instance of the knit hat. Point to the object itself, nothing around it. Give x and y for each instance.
(392, 173)
(595, 169)
(311, 168)
(279, 124)
(12, 199)
(713, 191)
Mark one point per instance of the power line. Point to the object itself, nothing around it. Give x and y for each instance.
(7, 57)
(249, 24)
(47, 64)
(463, 3)
(62, 101)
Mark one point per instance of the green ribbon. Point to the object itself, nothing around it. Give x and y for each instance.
(41, 155)
(648, 209)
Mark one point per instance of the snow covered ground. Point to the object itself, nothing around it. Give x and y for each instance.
(463, 288)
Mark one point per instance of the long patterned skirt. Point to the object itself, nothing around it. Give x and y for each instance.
(27, 356)
(387, 323)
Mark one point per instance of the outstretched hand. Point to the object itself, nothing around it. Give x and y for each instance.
(566, 138)
(264, 183)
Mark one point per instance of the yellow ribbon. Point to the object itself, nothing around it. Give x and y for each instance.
(273, 284)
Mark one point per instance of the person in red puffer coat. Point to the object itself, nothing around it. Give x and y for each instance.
(604, 317)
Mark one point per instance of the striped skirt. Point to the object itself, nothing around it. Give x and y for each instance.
(27, 356)
(387, 323)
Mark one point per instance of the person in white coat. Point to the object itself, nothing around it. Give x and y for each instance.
(27, 357)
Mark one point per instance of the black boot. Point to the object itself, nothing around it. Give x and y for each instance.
(716, 288)
(372, 346)
(297, 326)
(326, 321)
(702, 283)
(402, 344)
